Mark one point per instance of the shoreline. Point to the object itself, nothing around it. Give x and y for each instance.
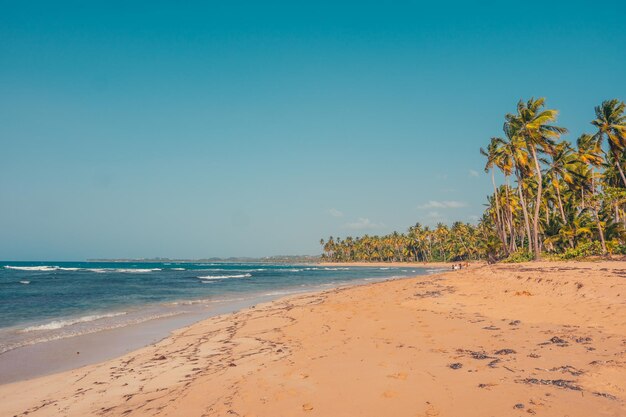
(67, 353)
(447, 265)
(488, 340)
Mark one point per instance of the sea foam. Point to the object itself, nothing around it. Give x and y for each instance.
(59, 324)
(210, 277)
(33, 268)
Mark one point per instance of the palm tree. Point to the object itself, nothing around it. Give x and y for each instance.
(611, 123)
(493, 154)
(533, 126)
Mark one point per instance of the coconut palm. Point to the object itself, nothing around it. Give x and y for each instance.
(534, 126)
(611, 123)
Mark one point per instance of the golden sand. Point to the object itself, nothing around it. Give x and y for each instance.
(545, 339)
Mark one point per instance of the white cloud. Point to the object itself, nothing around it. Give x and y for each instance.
(442, 204)
(473, 173)
(335, 213)
(363, 224)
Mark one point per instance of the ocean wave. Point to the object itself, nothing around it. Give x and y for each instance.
(275, 293)
(50, 268)
(81, 332)
(59, 324)
(45, 268)
(177, 269)
(436, 270)
(211, 277)
(121, 270)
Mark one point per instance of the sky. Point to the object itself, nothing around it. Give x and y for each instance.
(217, 129)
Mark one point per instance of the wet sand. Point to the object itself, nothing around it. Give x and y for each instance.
(527, 339)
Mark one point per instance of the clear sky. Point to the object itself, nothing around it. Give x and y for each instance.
(238, 128)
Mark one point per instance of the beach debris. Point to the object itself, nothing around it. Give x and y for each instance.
(492, 327)
(605, 395)
(555, 340)
(427, 294)
(307, 407)
(515, 323)
(568, 369)
(534, 355)
(583, 340)
(232, 364)
(523, 293)
(479, 355)
(493, 363)
(486, 385)
(519, 406)
(160, 358)
(455, 365)
(505, 352)
(561, 383)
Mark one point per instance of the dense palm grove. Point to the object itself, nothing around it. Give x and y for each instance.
(556, 198)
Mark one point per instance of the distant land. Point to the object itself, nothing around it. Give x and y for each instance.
(267, 259)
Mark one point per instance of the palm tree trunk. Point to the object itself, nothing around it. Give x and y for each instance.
(558, 197)
(619, 168)
(600, 231)
(510, 217)
(537, 204)
(500, 223)
(525, 212)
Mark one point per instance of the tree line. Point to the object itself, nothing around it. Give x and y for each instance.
(555, 198)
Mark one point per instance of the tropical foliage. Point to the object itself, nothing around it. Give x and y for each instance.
(555, 197)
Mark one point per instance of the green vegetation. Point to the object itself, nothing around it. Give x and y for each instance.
(566, 201)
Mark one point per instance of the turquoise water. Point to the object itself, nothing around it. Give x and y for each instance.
(42, 301)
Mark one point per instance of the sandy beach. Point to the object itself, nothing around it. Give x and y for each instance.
(491, 340)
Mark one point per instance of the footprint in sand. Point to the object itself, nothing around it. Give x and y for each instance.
(430, 412)
(402, 376)
(390, 394)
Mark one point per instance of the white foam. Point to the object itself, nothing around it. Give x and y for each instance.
(178, 269)
(436, 270)
(33, 268)
(274, 293)
(25, 282)
(58, 324)
(49, 268)
(211, 277)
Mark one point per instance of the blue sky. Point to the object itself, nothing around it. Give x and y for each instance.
(256, 128)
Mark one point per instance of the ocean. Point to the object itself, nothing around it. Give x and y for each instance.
(43, 301)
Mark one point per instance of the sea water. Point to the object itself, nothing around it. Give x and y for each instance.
(42, 301)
